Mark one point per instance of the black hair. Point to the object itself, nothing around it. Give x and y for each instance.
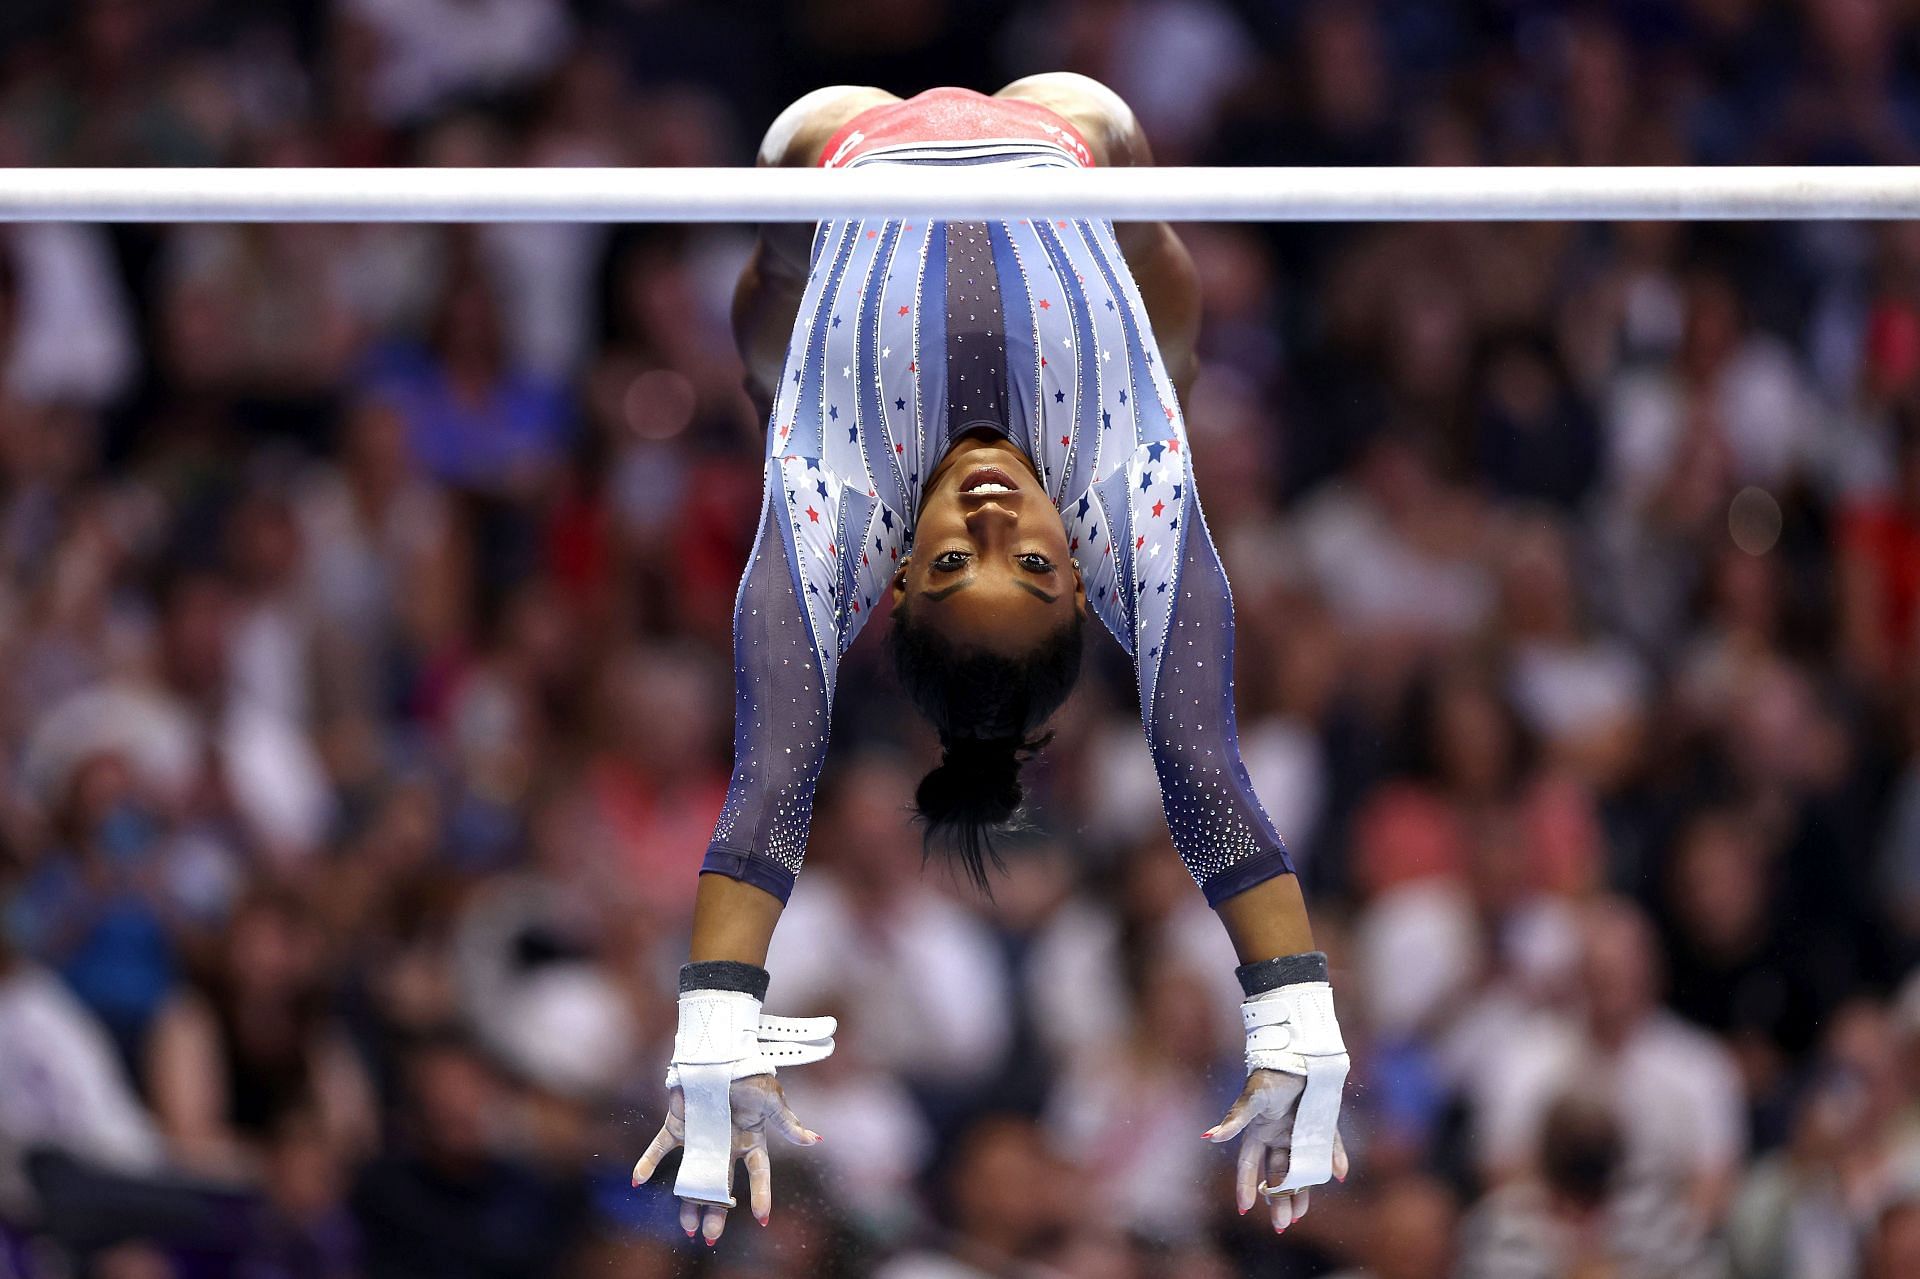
(988, 710)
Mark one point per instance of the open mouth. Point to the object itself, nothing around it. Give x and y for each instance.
(987, 481)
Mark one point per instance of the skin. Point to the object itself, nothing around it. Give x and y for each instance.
(988, 570)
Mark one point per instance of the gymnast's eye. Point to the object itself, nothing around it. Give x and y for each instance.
(1034, 562)
(950, 561)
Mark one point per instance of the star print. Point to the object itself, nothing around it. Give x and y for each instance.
(886, 518)
(836, 319)
(823, 488)
(1085, 502)
(1154, 552)
(1160, 589)
(1139, 542)
(1106, 419)
(1106, 356)
(1154, 651)
(1045, 305)
(813, 515)
(1176, 492)
(853, 436)
(1123, 397)
(833, 412)
(846, 370)
(1169, 413)
(1059, 397)
(1173, 524)
(1173, 446)
(1157, 508)
(1063, 441)
(1154, 451)
(886, 352)
(903, 310)
(1146, 480)
(900, 403)
(1109, 304)
(796, 377)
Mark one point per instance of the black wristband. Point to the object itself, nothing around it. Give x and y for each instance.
(724, 974)
(1287, 970)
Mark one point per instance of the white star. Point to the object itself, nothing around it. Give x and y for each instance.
(886, 352)
(1155, 551)
(1106, 355)
(846, 371)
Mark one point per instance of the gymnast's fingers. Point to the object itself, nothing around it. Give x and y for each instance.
(663, 1141)
(1300, 1203)
(1246, 1173)
(1284, 1211)
(1341, 1165)
(788, 1124)
(1238, 1116)
(689, 1217)
(759, 1180)
(714, 1221)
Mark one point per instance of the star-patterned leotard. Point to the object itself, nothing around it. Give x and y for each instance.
(910, 334)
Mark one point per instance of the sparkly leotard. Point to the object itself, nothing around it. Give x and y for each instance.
(909, 335)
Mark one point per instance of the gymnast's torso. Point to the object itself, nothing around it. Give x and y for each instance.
(911, 335)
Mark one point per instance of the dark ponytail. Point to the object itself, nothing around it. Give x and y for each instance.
(988, 710)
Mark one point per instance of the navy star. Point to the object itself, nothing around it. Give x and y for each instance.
(796, 377)
(1123, 397)
(823, 488)
(1085, 502)
(914, 478)
(1154, 651)
(900, 404)
(1106, 419)
(1095, 535)
(1154, 451)
(1101, 594)
(833, 412)
(836, 321)
(853, 435)
(1109, 304)
(1173, 524)
(1176, 492)
(1160, 589)
(1146, 480)
(886, 517)
(812, 589)
(813, 464)
(1059, 397)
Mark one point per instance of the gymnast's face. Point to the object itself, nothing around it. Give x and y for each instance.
(990, 566)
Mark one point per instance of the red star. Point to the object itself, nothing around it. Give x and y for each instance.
(863, 559)
(1139, 542)
(1043, 361)
(813, 515)
(832, 549)
(899, 448)
(1157, 508)
(903, 310)
(1075, 546)
(871, 234)
(1167, 411)
(895, 554)
(856, 606)
(1061, 225)
(914, 367)
(1063, 441)
(1173, 446)
(908, 227)
(1045, 305)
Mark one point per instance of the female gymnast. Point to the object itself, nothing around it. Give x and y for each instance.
(976, 422)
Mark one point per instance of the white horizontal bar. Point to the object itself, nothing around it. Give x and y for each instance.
(808, 195)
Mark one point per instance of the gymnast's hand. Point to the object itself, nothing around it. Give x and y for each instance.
(759, 1106)
(1263, 1119)
(1288, 1115)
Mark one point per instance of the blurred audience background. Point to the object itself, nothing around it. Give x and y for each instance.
(364, 677)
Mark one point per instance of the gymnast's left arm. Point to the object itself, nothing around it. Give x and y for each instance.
(1287, 1116)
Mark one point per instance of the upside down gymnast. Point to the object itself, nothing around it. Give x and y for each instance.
(976, 423)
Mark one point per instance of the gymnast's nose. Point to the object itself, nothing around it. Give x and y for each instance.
(991, 519)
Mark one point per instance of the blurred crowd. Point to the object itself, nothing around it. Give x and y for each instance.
(364, 671)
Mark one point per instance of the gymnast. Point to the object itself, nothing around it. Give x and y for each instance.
(976, 424)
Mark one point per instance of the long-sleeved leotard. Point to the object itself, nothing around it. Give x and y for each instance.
(910, 334)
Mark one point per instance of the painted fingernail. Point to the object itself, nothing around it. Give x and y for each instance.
(689, 1231)
(712, 1240)
(1207, 1135)
(764, 1220)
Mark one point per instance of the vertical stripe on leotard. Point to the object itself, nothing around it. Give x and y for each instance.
(976, 333)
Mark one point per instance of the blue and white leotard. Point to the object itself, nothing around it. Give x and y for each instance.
(910, 334)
